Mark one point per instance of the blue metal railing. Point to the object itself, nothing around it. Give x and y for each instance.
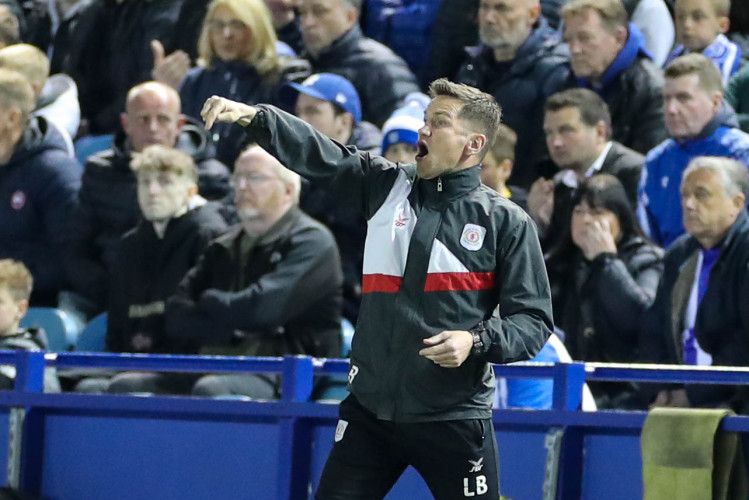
(294, 412)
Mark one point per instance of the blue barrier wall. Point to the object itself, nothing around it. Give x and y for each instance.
(78, 446)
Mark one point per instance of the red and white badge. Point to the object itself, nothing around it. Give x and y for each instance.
(18, 200)
(472, 237)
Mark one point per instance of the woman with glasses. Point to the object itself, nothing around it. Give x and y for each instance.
(239, 60)
(603, 274)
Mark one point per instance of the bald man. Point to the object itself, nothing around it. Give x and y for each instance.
(108, 200)
(520, 62)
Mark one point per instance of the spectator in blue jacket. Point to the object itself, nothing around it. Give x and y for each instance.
(521, 62)
(335, 44)
(39, 186)
(700, 124)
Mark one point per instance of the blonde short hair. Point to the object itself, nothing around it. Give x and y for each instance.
(612, 13)
(158, 158)
(256, 16)
(696, 64)
(26, 60)
(16, 278)
(16, 91)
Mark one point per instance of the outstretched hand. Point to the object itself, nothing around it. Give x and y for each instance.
(448, 349)
(220, 109)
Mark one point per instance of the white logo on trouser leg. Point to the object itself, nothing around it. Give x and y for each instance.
(353, 371)
(480, 489)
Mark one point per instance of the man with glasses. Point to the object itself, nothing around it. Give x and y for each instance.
(270, 287)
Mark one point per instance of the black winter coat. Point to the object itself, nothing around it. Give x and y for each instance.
(599, 304)
(282, 291)
(635, 100)
(521, 87)
(722, 323)
(147, 272)
(38, 196)
(237, 81)
(381, 78)
(105, 46)
(109, 208)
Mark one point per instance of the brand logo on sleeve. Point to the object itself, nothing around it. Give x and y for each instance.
(18, 200)
(472, 237)
(340, 430)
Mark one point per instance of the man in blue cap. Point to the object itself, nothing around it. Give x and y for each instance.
(331, 104)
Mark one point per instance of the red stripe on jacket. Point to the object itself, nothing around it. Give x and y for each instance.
(381, 283)
(460, 282)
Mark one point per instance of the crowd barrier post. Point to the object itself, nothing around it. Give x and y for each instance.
(26, 426)
(295, 445)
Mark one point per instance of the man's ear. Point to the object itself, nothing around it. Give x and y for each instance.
(621, 36)
(739, 202)
(723, 24)
(181, 121)
(476, 144)
(192, 190)
(23, 308)
(352, 15)
(125, 123)
(602, 131)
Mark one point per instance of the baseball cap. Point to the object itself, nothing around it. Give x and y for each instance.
(328, 87)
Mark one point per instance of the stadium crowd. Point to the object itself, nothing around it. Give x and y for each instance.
(624, 139)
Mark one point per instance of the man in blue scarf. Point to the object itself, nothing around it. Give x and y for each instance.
(608, 56)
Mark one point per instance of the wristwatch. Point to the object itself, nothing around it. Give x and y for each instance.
(478, 342)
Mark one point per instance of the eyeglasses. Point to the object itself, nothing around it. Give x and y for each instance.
(235, 25)
(251, 178)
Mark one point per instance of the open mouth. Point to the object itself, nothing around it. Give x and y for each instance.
(421, 150)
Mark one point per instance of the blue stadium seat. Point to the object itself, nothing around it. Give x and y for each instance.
(86, 146)
(92, 337)
(60, 328)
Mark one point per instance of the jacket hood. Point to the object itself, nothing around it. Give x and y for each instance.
(366, 137)
(39, 136)
(193, 140)
(633, 48)
(725, 117)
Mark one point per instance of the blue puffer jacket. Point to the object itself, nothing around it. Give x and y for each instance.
(539, 69)
(38, 192)
(659, 207)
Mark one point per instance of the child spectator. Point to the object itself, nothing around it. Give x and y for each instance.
(400, 134)
(15, 289)
(497, 166)
(700, 25)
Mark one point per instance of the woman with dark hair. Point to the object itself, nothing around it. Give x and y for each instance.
(603, 276)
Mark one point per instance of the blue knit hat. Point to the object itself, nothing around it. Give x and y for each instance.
(328, 87)
(405, 122)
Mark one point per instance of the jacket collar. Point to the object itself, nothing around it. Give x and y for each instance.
(449, 186)
(739, 226)
(340, 47)
(281, 227)
(633, 48)
(526, 55)
(725, 117)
